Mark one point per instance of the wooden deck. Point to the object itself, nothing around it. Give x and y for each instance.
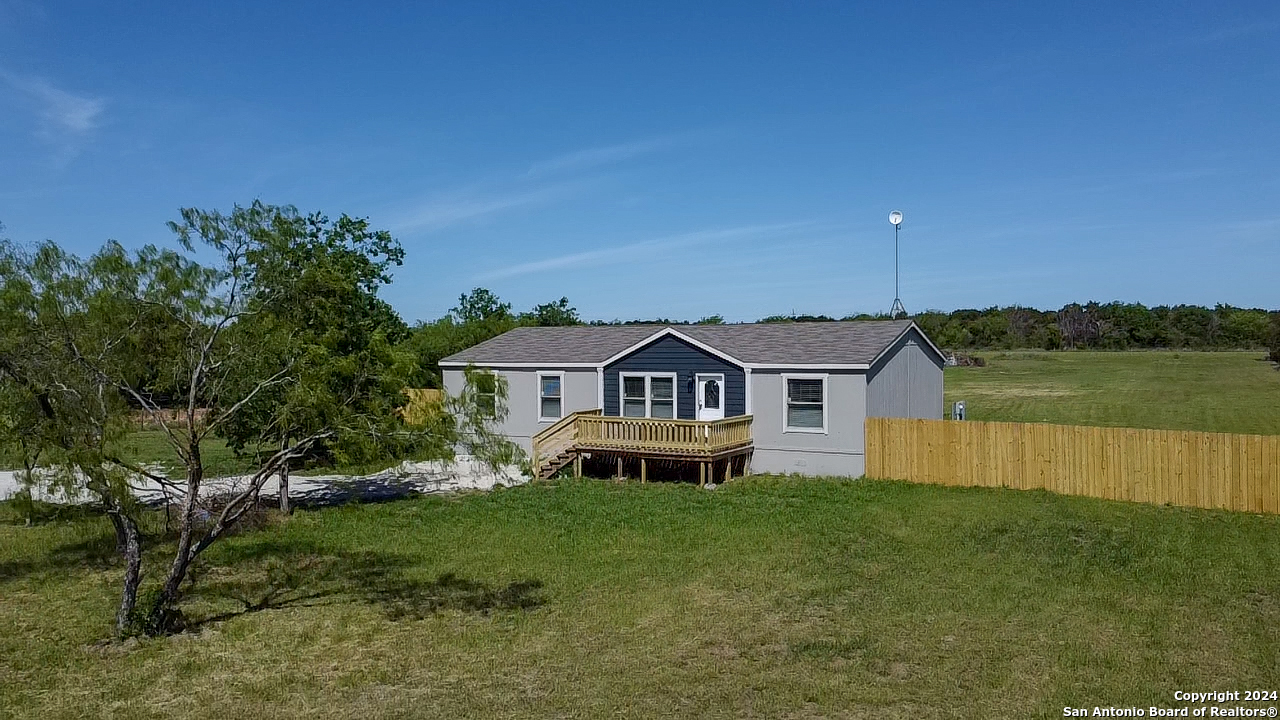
(590, 431)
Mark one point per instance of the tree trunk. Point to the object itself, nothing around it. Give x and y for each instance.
(284, 481)
(162, 617)
(128, 542)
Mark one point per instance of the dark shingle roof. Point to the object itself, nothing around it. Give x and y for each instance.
(801, 343)
(855, 342)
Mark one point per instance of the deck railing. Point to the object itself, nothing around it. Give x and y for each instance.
(653, 435)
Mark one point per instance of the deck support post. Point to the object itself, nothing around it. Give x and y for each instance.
(643, 476)
(728, 468)
(577, 466)
(702, 474)
(619, 468)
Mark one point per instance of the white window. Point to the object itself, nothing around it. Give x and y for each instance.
(649, 395)
(805, 400)
(550, 396)
(486, 393)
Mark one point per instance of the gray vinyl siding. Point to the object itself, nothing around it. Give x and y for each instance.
(838, 452)
(907, 381)
(672, 355)
(579, 392)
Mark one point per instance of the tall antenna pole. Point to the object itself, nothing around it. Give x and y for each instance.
(897, 310)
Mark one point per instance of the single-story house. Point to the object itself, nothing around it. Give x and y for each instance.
(780, 398)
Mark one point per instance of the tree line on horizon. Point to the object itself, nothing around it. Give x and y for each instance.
(481, 315)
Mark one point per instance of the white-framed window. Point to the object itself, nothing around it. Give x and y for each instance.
(486, 392)
(804, 401)
(550, 396)
(648, 394)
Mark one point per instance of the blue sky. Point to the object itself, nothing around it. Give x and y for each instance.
(680, 159)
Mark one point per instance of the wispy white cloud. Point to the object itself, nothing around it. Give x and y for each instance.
(640, 250)
(452, 208)
(1233, 32)
(598, 156)
(545, 182)
(1159, 177)
(65, 118)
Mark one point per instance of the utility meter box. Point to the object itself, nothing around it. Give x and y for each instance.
(957, 410)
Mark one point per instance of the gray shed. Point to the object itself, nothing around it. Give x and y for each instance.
(780, 398)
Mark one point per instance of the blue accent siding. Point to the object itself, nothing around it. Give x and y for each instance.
(669, 354)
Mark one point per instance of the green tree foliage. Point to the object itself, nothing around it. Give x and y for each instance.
(479, 316)
(796, 318)
(1110, 326)
(314, 306)
(264, 327)
(556, 314)
(481, 306)
(1274, 344)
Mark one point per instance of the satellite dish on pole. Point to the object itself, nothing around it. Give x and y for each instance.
(897, 311)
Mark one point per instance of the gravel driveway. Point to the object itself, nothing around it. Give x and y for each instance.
(408, 478)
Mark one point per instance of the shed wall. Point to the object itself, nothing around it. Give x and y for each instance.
(907, 381)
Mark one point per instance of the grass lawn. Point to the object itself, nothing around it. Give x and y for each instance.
(767, 597)
(151, 446)
(1234, 392)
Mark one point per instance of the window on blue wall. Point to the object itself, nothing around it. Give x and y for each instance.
(649, 396)
(550, 400)
(662, 397)
(633, 396)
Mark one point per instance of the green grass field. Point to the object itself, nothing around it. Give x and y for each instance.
(152, 447)
(1234, 392)
(767, 597)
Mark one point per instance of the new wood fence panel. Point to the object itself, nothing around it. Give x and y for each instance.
(1195, 469)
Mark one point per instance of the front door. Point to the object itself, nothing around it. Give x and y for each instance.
(710, 397)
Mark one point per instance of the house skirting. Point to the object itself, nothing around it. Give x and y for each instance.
(835, 463)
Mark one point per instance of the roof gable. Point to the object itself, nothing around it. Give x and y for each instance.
(672, 332)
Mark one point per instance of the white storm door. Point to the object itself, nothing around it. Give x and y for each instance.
(710, 397)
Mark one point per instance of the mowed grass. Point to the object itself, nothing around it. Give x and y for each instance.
(1232, 392)
(767, 597)
(153, 447)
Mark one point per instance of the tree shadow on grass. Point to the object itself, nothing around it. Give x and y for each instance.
(267, 576)
(95, 552)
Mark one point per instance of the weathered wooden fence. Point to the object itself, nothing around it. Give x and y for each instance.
(1196, 469)
(423, 404)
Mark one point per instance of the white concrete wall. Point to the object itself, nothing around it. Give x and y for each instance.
(840, 451)
(579, 392)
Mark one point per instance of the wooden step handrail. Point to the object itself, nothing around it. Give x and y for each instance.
(558, 435)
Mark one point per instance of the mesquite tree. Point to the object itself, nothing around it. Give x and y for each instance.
(221, 340)
(314, 300)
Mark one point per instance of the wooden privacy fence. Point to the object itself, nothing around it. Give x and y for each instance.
(1195, 469)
